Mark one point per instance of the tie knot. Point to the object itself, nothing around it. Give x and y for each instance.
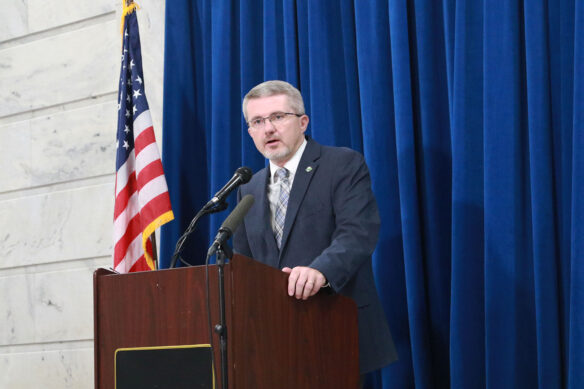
(282, 174)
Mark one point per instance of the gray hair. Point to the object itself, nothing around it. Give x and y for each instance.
(272, 88)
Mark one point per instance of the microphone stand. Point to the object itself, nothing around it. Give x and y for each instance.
(223, 252)
(206, 210)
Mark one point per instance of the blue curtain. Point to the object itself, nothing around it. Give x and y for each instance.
(470, 116)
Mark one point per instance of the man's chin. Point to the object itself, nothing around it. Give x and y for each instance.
(276, 155)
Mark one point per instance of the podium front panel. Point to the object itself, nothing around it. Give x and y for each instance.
(151, 309)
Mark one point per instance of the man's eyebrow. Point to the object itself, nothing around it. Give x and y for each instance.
(261, 117)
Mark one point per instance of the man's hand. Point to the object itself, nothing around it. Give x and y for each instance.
(304, 281)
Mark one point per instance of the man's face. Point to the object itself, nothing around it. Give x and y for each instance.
(277, 142)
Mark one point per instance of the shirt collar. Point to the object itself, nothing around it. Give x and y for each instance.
(292, 164)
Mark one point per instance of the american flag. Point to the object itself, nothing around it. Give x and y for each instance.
(142, 202)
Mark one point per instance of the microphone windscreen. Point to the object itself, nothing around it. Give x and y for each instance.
(236, 216)
(245, 173)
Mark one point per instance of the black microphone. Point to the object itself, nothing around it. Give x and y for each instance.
(242, 176)
(231, 223)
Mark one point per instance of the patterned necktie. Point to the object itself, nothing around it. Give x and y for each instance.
(282, 177)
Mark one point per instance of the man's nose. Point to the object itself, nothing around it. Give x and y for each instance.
(269, 127)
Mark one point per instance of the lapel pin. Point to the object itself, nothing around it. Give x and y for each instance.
(309, 169)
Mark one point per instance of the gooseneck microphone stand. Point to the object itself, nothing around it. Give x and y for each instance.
(206, 210)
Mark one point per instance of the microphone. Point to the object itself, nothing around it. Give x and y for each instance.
(231, 223)
(242, 176)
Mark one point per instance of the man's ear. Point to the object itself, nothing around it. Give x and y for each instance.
(304, 120)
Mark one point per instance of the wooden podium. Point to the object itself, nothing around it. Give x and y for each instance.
(274, 341)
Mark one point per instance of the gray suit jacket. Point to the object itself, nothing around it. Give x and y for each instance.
(331, 225)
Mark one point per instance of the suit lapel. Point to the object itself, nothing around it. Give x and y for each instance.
(306, 169)
(266, 221)
(262, 217)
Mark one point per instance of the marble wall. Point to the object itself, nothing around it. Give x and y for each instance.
(59, 69)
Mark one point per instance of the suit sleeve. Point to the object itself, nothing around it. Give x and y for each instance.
(356, 223)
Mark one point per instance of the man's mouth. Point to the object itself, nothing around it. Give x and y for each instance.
(271, 142)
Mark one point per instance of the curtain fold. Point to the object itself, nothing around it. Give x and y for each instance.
(406, 132)
(575, 358)
(543, 225)
(469, 115)
(467, 310)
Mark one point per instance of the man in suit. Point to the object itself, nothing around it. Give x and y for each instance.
(314, 214)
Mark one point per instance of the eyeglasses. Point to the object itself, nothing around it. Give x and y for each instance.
(275, 118)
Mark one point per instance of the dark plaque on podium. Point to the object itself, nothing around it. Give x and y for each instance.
(174, 367)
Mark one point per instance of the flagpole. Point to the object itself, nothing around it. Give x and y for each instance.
(154, 251)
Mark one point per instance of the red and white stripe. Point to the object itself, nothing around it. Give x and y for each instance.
(142, 202)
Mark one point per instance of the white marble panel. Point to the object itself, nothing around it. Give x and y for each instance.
(57, 226)
(48, 305)
(151, 23)
(46, 231)
(43, 14)
(60, 147)
(13, 19)
(62, 68)
(59, 369)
